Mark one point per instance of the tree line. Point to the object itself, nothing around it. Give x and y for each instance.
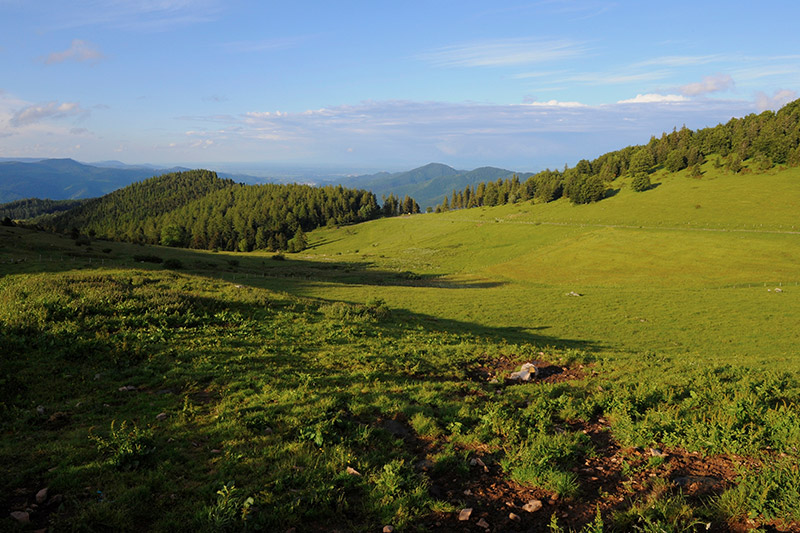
(765, 140)
(196, 209)
(34, 207)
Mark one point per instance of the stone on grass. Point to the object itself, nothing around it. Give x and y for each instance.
(525, 373)
(40, 409)
(161, 416)
(41, 496)
(21, 516)
(388, 529)
(465, 514)
(532, 506)
(352, 471)
(127, 388)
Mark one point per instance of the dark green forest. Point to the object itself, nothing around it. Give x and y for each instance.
(196, 209)
(765, 140)
(34, 207)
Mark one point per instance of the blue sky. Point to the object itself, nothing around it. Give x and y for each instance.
(373, 85)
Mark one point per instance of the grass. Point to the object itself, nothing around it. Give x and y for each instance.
(221, 391)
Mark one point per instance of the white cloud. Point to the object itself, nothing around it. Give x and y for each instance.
(555, 103)
(778, 99)
(524, 136)
(81, 51)
(710, 84)
(652, 98)
(503, 52)
(52, 110)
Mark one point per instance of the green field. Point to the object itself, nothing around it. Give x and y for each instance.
(669, 400)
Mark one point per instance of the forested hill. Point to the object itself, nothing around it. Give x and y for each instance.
(34, 207)
(199, 210)
(752, 143)
(121, 213)
(428, 184)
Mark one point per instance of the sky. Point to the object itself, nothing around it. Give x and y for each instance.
(362, 86)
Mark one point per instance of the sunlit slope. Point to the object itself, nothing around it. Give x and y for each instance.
(654, 271)
(728, 230)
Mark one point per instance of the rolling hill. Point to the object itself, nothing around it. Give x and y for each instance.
(429, 184)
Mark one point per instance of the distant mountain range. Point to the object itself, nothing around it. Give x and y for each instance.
(67, 179)
(428, 185)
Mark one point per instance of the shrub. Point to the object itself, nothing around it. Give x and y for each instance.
(640, 182)
(127, 447)
(146, 258)
(174, 264)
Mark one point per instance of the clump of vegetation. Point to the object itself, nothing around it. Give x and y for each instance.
(173, 264)
(640, 182)
(126, 447)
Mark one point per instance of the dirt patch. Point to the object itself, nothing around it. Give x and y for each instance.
(498, 369)
(611, 479)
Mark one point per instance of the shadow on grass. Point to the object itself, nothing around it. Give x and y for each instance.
(28, 251)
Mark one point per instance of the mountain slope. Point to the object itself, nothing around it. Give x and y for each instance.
(63, 179)
(429, 184)
(128, 209)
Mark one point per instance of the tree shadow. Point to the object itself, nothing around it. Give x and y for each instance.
(28, 251)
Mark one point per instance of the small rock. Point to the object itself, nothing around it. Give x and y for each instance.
(96, 377)
(161, 416)
(216, 450)
(656, 452)
(268, 431)
(388, 529)
(40, 409)
(532, 506)
(41, 496)
(464, 515)
(127, 388)
(21, 516)
(514, 516)
(352, 471)
(483, 523)
(467, 492)
(424, 465)
(777, 289)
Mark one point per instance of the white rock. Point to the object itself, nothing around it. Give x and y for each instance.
(532, 506)
(41, 496)
(161, 416)
(352, 471)
(465, 514)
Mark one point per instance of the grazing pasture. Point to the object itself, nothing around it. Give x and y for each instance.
(366, 382)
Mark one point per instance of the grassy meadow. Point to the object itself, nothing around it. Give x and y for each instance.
(363, 382)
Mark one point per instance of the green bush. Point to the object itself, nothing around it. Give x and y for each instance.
(640, 182)
(127, 447)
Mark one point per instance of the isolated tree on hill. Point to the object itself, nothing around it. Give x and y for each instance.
(640, 182)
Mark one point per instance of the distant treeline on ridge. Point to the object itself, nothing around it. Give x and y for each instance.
(766, 140)
(196, 209)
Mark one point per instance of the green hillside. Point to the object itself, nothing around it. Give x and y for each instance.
(684, 267)
(373, 378)
(196, 209)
